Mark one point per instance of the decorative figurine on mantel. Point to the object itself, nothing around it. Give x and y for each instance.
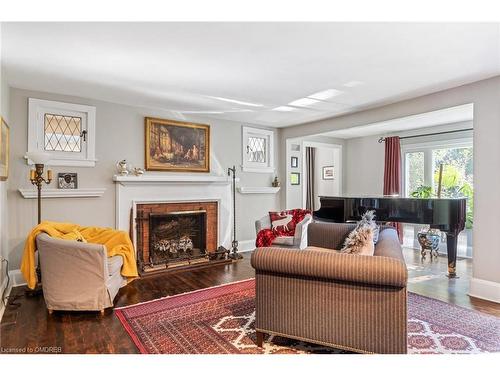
(122, 167)
(276, 182)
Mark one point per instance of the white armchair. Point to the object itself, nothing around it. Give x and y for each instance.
(298, 241)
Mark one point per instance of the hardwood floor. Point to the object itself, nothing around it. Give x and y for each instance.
(28, 326)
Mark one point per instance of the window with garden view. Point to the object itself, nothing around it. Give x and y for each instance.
(421, 166)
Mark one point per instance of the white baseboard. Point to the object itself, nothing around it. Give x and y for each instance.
(16, 279)
(2, 288)
(484, 289)
(246, 246)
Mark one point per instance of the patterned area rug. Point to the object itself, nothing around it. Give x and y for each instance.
(220, 320)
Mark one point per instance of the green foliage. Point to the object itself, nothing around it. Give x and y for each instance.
(468, 192)
(451, 182)
(422, 192)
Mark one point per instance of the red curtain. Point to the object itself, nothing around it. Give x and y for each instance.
(392, 173)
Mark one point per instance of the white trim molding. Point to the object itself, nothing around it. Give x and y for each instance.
(37, 108)
(63, 193)
(485, 289)
(258, 189)
(147, 179)
(16, 279)
(268, 165)
(246, 246)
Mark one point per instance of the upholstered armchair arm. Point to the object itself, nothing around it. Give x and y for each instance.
(300, 237)
(375, 270)
(263, 223)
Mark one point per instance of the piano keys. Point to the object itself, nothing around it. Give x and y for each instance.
(445, 214)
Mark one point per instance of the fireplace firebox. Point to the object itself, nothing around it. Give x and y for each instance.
(177, 236)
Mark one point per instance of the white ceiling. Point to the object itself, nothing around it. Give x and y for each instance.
(444, 116)
(194, 68)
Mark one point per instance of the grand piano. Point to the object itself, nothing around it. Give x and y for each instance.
(447, 215)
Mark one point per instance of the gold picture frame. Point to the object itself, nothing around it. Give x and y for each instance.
(176, 146)
(4, 149)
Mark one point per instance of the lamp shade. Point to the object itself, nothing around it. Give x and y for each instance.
(38, 157)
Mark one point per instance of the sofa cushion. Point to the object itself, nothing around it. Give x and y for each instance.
(283, 240)
(115, 264)
(359, 241)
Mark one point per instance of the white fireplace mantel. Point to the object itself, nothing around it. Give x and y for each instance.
(166, 188)
(177, 178)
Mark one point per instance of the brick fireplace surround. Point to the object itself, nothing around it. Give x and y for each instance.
(143, 211)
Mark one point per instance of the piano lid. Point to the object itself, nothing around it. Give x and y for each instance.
(361, 196)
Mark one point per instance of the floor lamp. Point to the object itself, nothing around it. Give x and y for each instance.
(37, 178)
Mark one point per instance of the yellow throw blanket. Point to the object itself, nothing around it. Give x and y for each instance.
(116, 242)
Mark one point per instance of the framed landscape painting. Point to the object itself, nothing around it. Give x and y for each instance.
(177, 146)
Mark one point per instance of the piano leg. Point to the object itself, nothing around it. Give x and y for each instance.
(451, 244)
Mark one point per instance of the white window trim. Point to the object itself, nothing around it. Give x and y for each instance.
(36, 106)
(426, 148)
(247, 166)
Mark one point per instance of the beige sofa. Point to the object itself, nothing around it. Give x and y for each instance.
(78, 275)
(318, 295)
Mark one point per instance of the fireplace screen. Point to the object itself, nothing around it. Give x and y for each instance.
(177, 236)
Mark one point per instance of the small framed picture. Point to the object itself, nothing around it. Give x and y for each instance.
(295, 178)
(67, 181)
(328, 173)
(294, 162)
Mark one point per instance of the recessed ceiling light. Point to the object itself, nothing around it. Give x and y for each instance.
(304, 102)
(353, 84)
(284, 108)
(326, 94)
(237, 101)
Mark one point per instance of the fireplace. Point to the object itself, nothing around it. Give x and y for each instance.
(176, 234)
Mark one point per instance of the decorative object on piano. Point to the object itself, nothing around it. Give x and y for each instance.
(122, 167)
(328, 173)
(4, 149)
(294, 178)
(276, 182)
(67, 180)
(177, 146)
(294, 162)
(429, 242)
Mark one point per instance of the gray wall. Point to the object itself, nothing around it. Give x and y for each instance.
(365, 156)
(4, 112)
(486, 98)
(292, 197)
(324, 157)
(120, 135)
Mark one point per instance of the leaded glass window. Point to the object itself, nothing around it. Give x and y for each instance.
(62, 133)
(256, 150)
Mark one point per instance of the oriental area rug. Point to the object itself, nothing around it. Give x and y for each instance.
(220, 320)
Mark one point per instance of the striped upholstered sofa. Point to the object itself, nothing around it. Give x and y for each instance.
(318, 295)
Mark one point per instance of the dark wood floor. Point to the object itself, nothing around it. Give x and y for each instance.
(29, 325)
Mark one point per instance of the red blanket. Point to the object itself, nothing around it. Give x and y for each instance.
(278, 228)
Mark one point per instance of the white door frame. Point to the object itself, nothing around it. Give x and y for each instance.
(304, 171)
